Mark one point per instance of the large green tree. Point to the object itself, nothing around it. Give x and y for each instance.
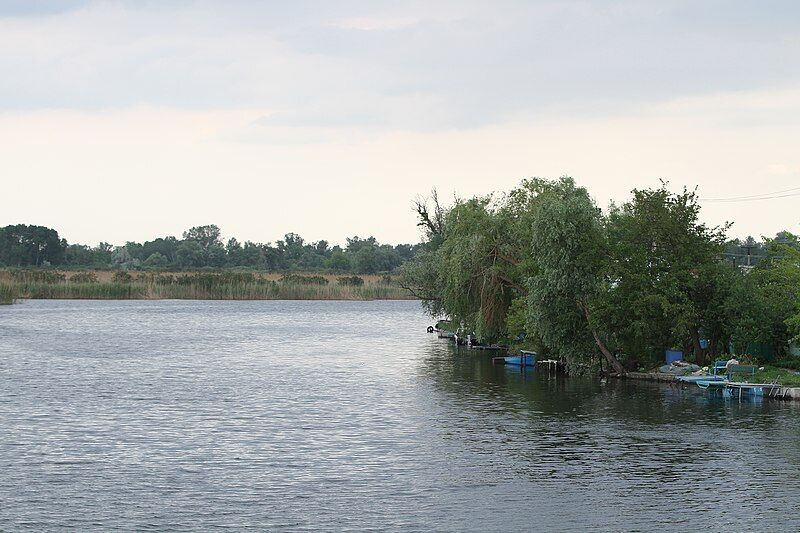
(667, 285)
(569, 253)
(767, 304)
(23, 245)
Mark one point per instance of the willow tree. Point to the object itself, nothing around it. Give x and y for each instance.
(477, 275)
(476, 258)
(569, 254)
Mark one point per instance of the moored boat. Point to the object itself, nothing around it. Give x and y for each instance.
(525, 358)
(704, 377)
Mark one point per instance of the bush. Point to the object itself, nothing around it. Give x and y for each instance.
(791, 362)
(209, 279)
(26, 275)
(304, 280)
(350, 281)
(121, 276)
(83, 277)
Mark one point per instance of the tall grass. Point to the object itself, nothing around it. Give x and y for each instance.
(199, 286)
(8, 294)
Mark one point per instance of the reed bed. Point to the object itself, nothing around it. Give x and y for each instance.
(198, 286)
(8, 294)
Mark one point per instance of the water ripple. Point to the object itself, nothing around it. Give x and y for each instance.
(186, 416)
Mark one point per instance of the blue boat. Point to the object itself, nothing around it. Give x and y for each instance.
(712, 384)
(524, 359)
(695, 379)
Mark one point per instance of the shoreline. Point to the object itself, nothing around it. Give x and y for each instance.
(225, 285)
(784, 393)
(211, 299)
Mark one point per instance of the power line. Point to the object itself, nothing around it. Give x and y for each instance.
(754, 197)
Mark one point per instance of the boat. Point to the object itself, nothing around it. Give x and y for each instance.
(443, 329)
(704, 377)
(713, 383)
(524, 359)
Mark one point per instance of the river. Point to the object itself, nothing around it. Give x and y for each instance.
(324, 415)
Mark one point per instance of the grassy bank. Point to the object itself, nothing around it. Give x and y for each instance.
(194, 286)
(771, 374)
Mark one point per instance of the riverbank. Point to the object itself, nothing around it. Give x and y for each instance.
(785, 393)
(120, 285)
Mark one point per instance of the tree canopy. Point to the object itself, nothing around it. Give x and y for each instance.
(544, 263)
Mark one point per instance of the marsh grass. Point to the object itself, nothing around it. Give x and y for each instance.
(7, 294)
(195, 286)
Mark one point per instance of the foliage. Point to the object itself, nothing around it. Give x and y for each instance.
(768, 300)
(83, 277)
(476, 259)
(771, 374)
(122, 276)
(666, 281)
(542, 263)
(201, 247)
(304, 280)
(570, 252)
(29, 275)
(22, 245)
(155, 260)
(351, 281)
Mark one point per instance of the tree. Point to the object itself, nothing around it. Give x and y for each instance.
(205, 236)
(431, 219)
(666, 284)
(476, 259)
(366, 260)
(190, 254)
(23, 245)
(768, 302)
(569, 250)
(155, 260)
(477, 278)
(338, 262)
(166, 246)
(124, 260)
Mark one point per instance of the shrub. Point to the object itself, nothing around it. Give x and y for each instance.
(27, 275)
(304, 280)
(121, 276)
(350, 281)
(791, 362)
(83, 277)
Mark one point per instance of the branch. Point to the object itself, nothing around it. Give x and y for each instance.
(417, 295)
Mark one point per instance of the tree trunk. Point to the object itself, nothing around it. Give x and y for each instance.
(699, 353)
(613, 361)
(713, 347)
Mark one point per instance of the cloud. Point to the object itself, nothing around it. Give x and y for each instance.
(392, 65)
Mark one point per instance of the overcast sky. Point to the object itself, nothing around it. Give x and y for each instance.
(129, 120)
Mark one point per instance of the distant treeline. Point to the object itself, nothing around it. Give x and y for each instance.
(201, 247)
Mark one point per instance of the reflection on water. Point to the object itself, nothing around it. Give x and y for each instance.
(334, 415)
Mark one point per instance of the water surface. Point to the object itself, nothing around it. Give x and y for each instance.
(187, 415)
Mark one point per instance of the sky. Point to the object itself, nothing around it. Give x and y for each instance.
(128, 120)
